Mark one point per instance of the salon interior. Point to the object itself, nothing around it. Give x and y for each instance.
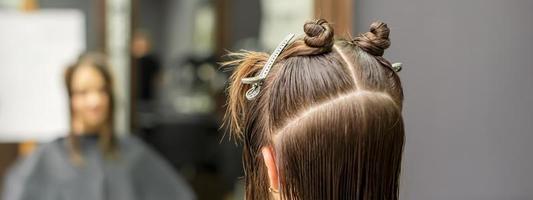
(466, 77)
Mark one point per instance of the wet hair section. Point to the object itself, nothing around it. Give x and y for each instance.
(330, 107)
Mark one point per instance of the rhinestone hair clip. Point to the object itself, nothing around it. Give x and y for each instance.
(257, 81)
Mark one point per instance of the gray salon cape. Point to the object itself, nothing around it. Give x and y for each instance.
(137, 174)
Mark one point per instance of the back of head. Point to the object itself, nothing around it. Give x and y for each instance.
(331, 110)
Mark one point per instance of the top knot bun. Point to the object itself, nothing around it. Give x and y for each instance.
(376, 41)
(318, 34)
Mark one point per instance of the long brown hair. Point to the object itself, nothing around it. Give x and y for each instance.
(107, 140)
(331, 108)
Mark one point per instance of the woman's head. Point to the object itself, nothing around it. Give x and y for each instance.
(327, 123)
(89, 88)
(88, 84)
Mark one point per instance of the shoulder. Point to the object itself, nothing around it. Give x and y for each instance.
(129, 139)
(54, 150)
(39, 163)
(131, 143)
(133, 148)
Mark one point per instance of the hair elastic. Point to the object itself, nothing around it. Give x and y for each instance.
(257, 80)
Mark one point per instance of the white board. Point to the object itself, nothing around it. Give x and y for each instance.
(35, 49)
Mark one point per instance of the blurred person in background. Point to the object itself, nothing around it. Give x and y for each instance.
(147, 67)
(92, 163)
(145, 83)
(325, 122)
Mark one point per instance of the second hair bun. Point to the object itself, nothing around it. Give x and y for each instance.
(376, 40)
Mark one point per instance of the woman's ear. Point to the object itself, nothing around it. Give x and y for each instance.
(270, 161)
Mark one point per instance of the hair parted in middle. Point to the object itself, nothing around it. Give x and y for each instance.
(107, 138)
(331, 110)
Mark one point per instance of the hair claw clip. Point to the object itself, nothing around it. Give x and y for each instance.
(257, 81)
